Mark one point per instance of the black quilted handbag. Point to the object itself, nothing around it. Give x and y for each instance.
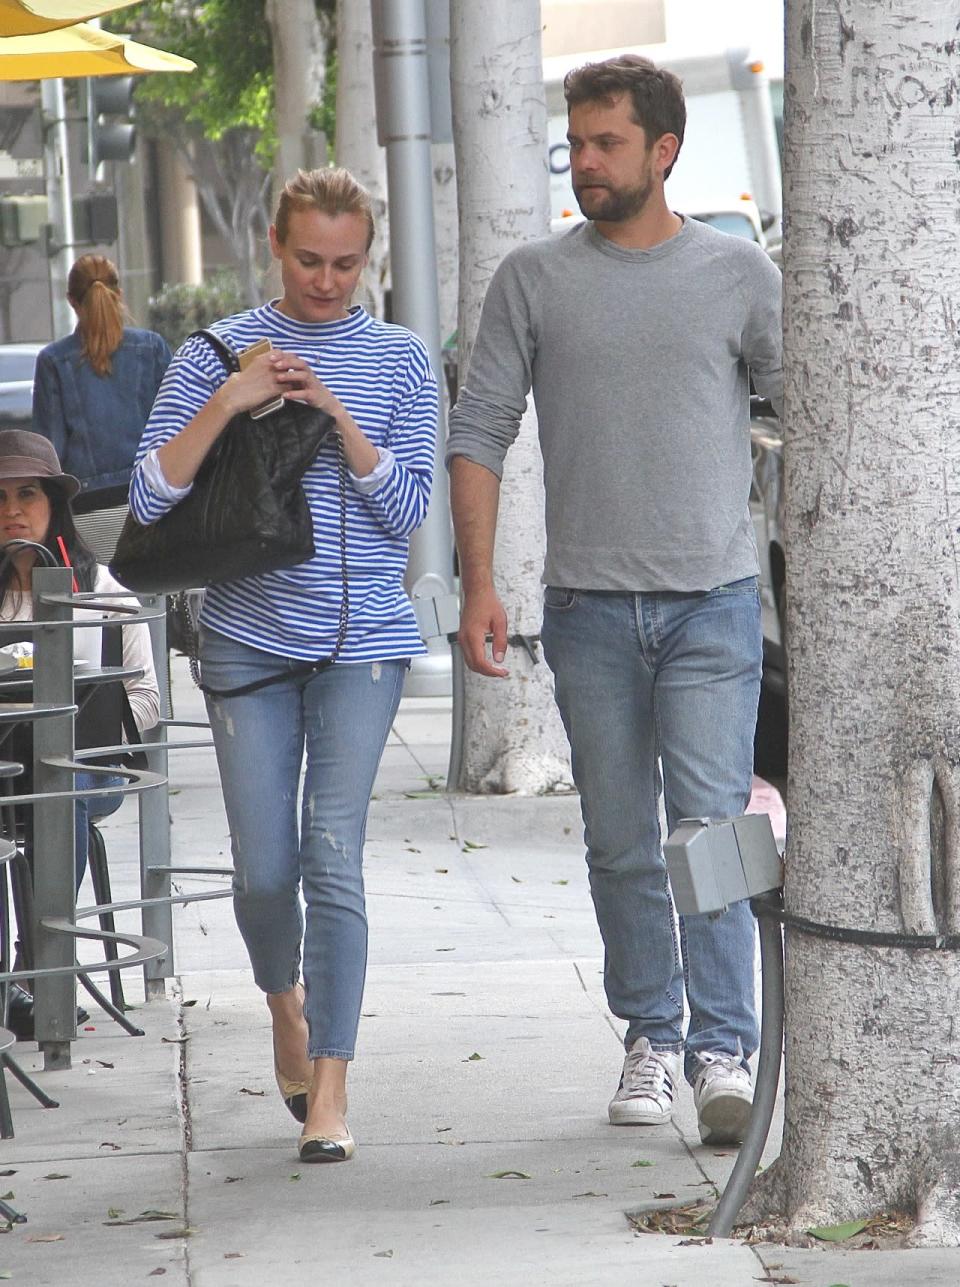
(247, 512)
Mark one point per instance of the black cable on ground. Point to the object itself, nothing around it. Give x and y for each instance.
(766, 908)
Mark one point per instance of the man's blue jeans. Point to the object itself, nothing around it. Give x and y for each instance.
(342, 716)
(674, 678)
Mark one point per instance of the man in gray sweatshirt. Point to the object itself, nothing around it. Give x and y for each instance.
(636, 330)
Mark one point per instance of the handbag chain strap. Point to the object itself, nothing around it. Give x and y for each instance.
(306, 667)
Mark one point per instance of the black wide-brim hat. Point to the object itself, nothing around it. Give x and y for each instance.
(30, 455)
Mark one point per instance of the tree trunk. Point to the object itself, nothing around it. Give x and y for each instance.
(446, 236)
(299, 68)
(872, 278)
(357, 149)
(513, 739)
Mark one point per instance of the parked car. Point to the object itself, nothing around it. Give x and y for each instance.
(17, 363)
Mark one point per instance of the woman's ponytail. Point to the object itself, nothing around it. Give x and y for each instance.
(93, 288)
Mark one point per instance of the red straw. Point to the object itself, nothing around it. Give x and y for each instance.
(66, 561)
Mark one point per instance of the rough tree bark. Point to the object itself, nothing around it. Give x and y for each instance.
(872, 277)
(446, 229)
(356, 146)
(513, 739)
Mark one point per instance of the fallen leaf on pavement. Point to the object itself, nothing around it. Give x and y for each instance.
(258, 1093)
(55, 1175)
(185, 1232)
(687, 1219)
(471, 1058)
(838, 1232)
(145, 1216)
(46, 1237)
(508, 1175)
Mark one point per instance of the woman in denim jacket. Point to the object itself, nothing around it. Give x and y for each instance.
(93, 390)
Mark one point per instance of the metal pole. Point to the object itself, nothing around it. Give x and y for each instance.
(56, 153)
(54, 880)
(157, 921)
(404, 129)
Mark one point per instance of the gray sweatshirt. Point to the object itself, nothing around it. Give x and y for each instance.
(638, 363)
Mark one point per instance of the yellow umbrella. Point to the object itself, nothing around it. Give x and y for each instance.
(82, 51)
(27, 17)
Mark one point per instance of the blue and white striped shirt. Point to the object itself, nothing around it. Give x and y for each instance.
(381, 374)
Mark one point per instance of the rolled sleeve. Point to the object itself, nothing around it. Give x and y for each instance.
(493, 398)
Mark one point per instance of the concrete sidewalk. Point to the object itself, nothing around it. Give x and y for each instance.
(478, 1097)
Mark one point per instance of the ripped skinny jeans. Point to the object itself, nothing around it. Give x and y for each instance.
(341, 717)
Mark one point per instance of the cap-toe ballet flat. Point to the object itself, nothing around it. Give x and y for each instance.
(317, 1148)
(294, 1095)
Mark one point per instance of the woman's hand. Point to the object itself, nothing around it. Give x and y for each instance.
(298, 383)
(255, 385)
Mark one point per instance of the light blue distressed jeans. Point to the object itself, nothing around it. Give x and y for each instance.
(644, 682)
(341, 716)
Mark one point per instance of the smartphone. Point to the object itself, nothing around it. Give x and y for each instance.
(245, 357)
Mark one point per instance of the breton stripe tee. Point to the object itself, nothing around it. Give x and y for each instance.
(381, 374)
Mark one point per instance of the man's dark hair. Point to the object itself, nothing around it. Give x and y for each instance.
(656, 94)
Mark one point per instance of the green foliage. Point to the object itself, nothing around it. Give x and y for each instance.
(232, 88)
(179, 309)
(229, 40)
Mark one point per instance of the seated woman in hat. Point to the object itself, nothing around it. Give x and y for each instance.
(35, 497)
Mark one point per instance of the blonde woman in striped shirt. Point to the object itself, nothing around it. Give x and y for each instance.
(375, 380)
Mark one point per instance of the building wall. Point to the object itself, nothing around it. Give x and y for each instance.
(572, 26)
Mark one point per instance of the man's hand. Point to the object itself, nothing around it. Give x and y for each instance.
(483, 615)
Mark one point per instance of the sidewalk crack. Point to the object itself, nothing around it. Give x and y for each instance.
(186, 1122)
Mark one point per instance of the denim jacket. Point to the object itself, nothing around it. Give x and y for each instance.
(94, 421)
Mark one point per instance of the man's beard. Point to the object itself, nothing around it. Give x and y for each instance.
(614, 205)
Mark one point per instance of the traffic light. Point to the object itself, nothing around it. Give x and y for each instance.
(95, 219)
(111, 135)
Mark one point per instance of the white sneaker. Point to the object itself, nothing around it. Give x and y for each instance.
(648, 1086)
(723, 1097)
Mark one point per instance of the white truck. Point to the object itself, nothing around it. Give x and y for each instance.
(730, 147)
